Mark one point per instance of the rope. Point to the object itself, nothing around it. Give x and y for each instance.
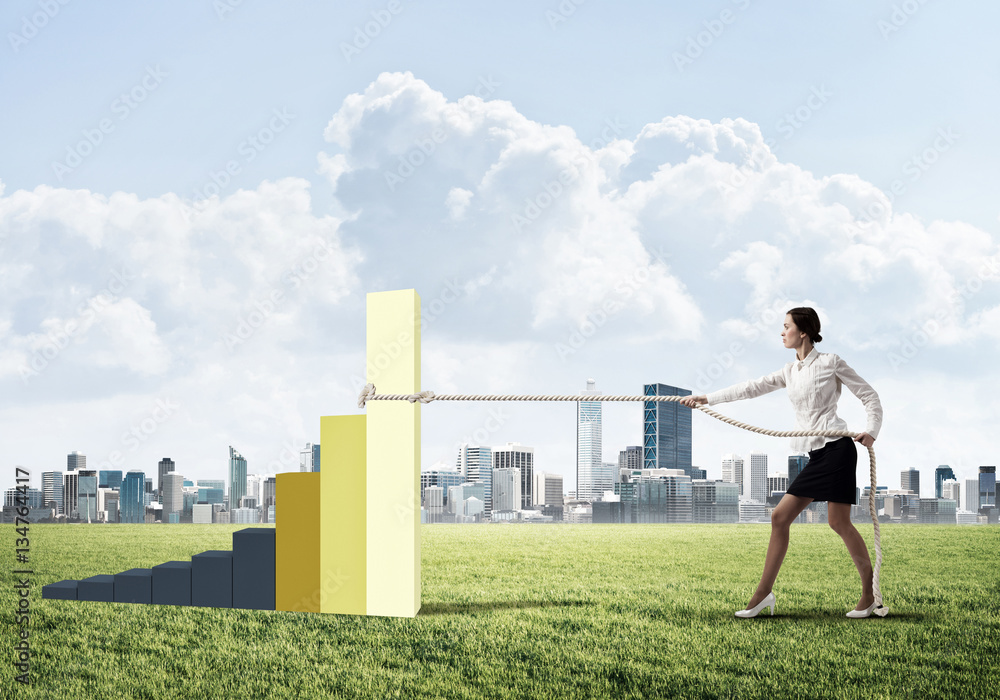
(368, 394)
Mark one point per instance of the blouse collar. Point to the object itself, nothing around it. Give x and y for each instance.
(809, 359)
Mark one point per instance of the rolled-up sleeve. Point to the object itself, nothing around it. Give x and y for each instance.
(749, 389)
(863, 390)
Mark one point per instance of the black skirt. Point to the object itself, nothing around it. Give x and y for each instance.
(830, 474)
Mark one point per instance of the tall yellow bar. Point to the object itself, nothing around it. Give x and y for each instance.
(342, 521)
(392, 493)
(297, 542)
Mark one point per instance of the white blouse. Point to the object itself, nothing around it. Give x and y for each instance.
(814, 389)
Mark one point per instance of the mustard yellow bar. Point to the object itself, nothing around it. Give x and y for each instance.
(393, 469)
(342, 520)
(296, 542)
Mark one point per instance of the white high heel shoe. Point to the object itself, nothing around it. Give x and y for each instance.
(862, 613)
(752, 612)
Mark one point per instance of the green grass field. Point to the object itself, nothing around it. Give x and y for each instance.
(538, 611)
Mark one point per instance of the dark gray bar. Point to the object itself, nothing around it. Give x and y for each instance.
(61, 590)
(134, 586)
(253, 568)
(99, 588)
(212, 579)
(172, 583)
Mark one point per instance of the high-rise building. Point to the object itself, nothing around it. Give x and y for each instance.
(315, 458)
(270, 491)
(109, 479)
(987, 487)
(476, 464)
(796, 463)
(909, 480)
(547, 494)
(306, 458)
(630, 458)
(173, 494)
(588, 444)
(758, 477)
(87, 494)
(507, 495)
(940, 474)
(52, 491)
(165, 467)
(130, 498)
(514, 454)
(237, 478)
(76, 461)
(972, 495)
(950, 489)
(732, 470)
(666, 430)
(71, 489)
(434, 503)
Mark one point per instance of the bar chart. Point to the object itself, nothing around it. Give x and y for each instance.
(346, 540)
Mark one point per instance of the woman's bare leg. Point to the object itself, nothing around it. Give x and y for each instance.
(782, 517)
(840, 521)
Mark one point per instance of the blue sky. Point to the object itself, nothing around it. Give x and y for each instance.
(721, 159)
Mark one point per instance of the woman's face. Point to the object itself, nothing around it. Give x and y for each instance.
(790, 334)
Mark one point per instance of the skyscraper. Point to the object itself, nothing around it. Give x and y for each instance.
(732, 470)
(306, 458)
(173, 494)
(940, 474)
(109, 479)
(666, 430)
(52, 491)
(71, 485)
(130, 498)
(909, 479)
(76, 461)
(507, 489)
(758, 477)
(316, 458)
(166, 466)
(514, 454)
(237, 478)
(972, 495)
(87, 494)
(475, 463)
(588, 444)
(987, 487)
(630, 457)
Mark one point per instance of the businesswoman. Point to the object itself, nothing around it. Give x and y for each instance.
(813, 380)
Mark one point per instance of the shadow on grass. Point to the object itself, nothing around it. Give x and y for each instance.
(457, 608)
